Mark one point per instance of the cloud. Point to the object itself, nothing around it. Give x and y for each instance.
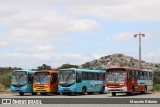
(84, 25)
(39, 22)
(29, 61)
(32, 28)
(35, 49)
(152, 57)
(3, 43)
(126, 36)
(121, 10)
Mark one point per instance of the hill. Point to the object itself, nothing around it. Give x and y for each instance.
(119, 60)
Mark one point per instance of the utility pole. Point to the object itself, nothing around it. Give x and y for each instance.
(139, 36)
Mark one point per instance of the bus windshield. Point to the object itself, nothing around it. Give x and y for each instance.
(19, 78)
(115, 77)
(66, 77)
(41, 78)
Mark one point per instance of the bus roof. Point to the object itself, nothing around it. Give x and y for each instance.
(25, 71)
(125, 68)
(51, 71)
(147, 70)
(129, 68)
(84, 70)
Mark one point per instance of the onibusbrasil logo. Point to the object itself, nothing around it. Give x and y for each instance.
(20, 101)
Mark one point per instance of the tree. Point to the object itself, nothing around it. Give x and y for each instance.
(44, 67)
(5, 80)
(64, 66)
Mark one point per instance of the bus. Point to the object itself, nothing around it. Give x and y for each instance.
(22, 82)
(128, 80)
(46, 81)
(81, 81)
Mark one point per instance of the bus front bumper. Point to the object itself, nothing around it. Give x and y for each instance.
(121, 89)
(66, 89)
(23, 89)
(41, 89)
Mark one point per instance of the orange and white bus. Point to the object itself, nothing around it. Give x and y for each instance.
(46, 81)
(128, 80)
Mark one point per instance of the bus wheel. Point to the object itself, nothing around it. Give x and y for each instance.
(69, 93)
(113, 93)
(57, 93)
(83, 91)
(132, 92)
(145, 90)
(34, 93)
(64, 93)
(42, 93)
(21, 94)
(90, 93)
(103, 90)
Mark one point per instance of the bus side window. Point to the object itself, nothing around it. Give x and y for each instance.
(87, 75)
(130, 76)
(95, 76)
(101, 76)
(78, 77)
(151, 75)
(30, 78)
(83, 76)
(139, 75)
(145, 75)
(90, 76)
(53, 78)
(142, 75)
(148, 76)
(135, 75)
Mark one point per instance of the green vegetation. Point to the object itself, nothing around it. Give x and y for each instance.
(64, 66)
(5, 79)
(44, 67)
(156, 82)
(5, 76)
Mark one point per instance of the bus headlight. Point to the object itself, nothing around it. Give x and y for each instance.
(121, 84)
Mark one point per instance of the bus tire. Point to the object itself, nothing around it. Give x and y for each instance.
(145, 90)
(34, 93)
(69, 93)
(90, 93)
(57, 93)
(43, 93)
(21, 93)
(84, 90)
(64, 93)
(103, 90)
(132, 91)
(113, 93)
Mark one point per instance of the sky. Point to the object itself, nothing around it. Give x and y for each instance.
(55, 32)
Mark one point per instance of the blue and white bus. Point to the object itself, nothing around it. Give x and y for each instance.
(81, 81)
(22, 82)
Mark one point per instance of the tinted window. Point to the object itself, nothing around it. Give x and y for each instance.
(54, 78)
(84, 75)
(30, 78)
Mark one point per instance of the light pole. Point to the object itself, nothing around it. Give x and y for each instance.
(139, 35)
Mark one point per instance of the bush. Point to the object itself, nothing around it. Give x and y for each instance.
(156, 87)
(5, 80)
